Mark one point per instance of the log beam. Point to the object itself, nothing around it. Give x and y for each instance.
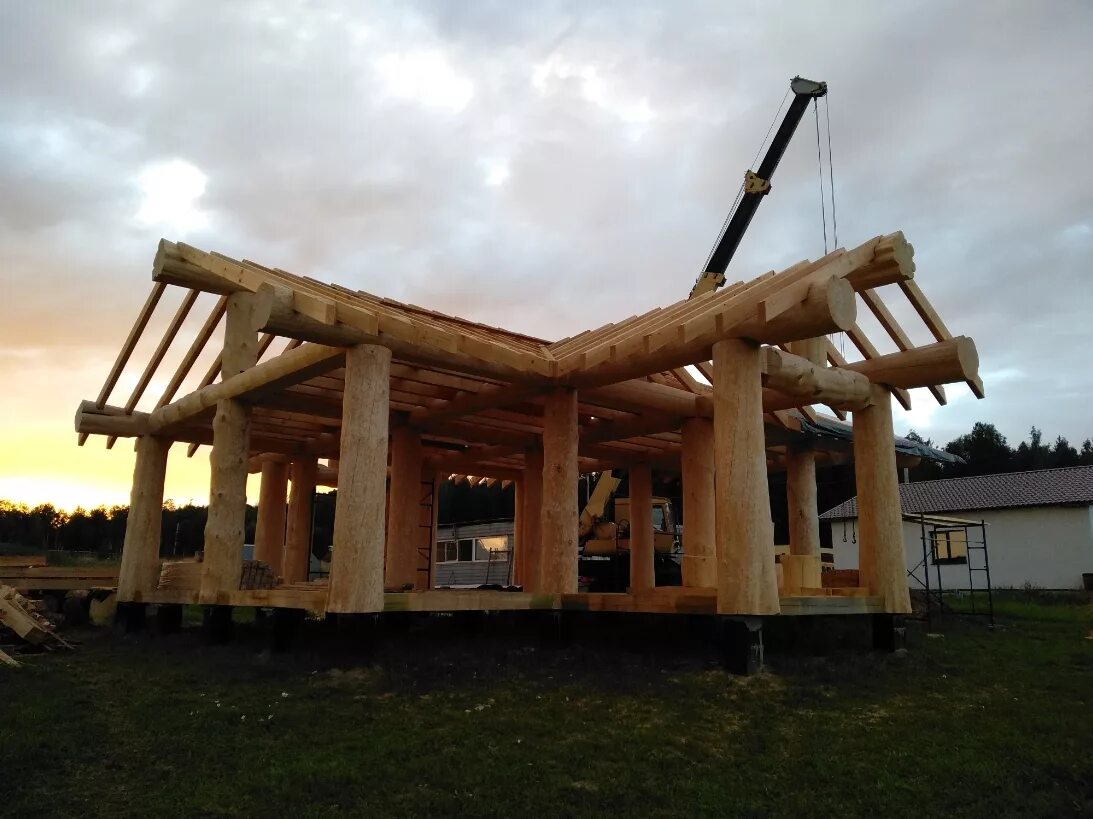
(946, 362)
(746, 580)
(356, 573)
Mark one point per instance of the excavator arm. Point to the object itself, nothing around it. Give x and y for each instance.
(756, 186)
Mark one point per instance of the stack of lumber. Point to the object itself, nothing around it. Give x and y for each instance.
(257, 575)
(180, 574)
(42, 577)
(186, 574)
(21, 618)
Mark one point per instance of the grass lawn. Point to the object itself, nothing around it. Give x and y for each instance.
(972, 723)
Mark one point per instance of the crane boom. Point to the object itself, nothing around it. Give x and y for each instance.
(756, 186)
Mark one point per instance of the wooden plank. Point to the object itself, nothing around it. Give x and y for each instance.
(194, 352)
(24, 561)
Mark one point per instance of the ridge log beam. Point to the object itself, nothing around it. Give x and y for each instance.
(828, 306)
(558, 565)
(269, 531)
(297, 559)
(641, 528)
(139, 570)
(356, 572)
(699, 538)
(222, 565)
(880, 519)
(746, 579)
(404, 509)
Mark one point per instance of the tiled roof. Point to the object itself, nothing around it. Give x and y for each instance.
(1041, 487)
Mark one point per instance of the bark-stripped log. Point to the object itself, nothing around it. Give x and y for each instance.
(699, 539)
(558, 565)
(403, 532)
(356, 571)
(139, 571)
(297, 558)
(746, 579)
(641, 528)
(880, 520)
(269, 531)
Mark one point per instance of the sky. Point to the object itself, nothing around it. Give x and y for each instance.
(546, 167)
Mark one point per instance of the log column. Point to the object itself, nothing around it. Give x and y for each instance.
(641, 528)
(404, 514)
(356, 571)
(224, 529)
(139, 571)
(529, 547)
(699, 552)
(746, 580)
(298, 537)
(880, 520)
(804, 520)
(558, 566)
(269, 532)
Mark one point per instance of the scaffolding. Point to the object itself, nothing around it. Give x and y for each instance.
(939, 536)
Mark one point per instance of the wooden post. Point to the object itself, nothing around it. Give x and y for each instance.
(403, 519)
(139, 571)
(804, 520)
(641, 528)
(515, 555)
(356, 571)
(880, 519)
(558, 566)
(224, 528)
(804, 516)
(297, 558)
(531, 520)
(529, 548)
(269, 532)
(699, 552)
(746, 580)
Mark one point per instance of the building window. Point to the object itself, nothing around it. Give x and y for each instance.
(485, 546)
(467, 550)
(950, 546)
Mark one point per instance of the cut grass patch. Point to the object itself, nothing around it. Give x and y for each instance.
(973, 723)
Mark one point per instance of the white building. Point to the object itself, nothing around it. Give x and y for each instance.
(1039, 528)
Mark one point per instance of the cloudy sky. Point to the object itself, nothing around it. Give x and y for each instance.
(548, 167)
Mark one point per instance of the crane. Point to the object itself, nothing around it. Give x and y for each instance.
(756, 186)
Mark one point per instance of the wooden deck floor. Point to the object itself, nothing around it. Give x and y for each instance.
(664, 600)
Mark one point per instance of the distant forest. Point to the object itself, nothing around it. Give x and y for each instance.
(984, 451)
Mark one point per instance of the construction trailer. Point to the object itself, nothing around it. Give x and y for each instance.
(396, 397)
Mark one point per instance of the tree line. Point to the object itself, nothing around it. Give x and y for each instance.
(985, 451)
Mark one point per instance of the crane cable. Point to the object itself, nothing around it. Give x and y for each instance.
(831, 186)
(740, 191)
